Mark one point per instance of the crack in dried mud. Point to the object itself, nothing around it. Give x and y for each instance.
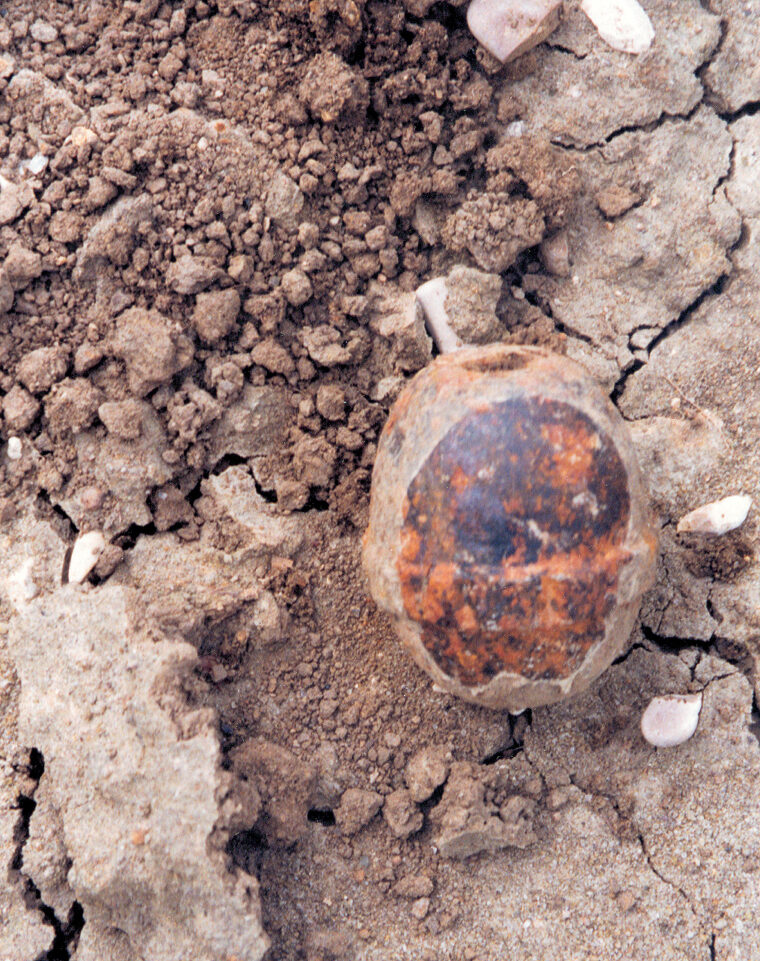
(746, 110)
(665, 880)
(624, 818)
(717, 287)
(567, 50)
(65, 933)
(714, 290)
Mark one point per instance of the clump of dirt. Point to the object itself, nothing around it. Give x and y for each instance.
(218, 193)
(721, 559)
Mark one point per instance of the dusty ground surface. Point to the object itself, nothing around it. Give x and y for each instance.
(212, 218)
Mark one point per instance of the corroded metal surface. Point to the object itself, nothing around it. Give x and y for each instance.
(512, 540)
(509, 533)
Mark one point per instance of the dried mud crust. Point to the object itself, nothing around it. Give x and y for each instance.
(211, 221)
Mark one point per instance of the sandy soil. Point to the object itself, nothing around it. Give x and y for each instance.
(213, 219)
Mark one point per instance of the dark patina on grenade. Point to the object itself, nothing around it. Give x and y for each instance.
(509, 534)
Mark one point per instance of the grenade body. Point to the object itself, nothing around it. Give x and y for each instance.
(509, 534)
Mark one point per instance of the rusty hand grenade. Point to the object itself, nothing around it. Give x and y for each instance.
(509, 534)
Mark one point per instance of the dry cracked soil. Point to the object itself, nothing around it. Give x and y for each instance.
(213, 219)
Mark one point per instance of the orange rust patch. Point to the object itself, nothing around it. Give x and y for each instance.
(573, 452)
(410, 544)
(460, 480)
(512, 541)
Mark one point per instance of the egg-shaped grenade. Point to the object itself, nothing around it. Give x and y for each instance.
(509, 535)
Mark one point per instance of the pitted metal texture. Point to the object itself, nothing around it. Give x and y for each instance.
(512, 539)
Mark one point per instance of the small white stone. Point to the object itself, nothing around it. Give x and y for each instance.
(14, 448)
(509, 28)
(719, 517)
(623, 24)
(431, 296)
(36, 164)
(43, 32)
(671, 719)
(84, 555)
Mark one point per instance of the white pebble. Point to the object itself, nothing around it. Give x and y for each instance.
(14, 448)
(43, 32)
(509, 28)
(623, 24)
(36, 164)
(84, 555)
(719, 517)
(671, 719)
(431, 296)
